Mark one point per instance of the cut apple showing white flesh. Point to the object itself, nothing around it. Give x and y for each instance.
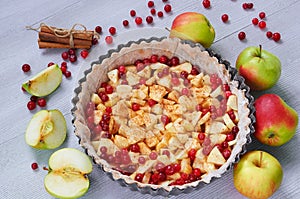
(45, 82)
(46, 130)
(67, 176)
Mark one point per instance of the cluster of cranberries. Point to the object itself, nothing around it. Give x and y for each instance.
(138, 20)
(41, 102)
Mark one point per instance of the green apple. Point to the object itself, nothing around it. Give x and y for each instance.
(276, 122)
(193, 26)
(257, 175)
(45, 82)
(260, 68)
(67, 173)
(46, 130)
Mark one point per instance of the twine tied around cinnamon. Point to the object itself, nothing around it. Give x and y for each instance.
(65, 33)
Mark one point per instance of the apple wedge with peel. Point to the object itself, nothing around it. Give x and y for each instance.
(67, 173)
(45, 82)
(46, 130)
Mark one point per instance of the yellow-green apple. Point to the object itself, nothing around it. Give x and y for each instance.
(260, 68)
(276, 122)
(45, 82)
(67, 173)
(257, 175)
(47, 129)
(193, 26)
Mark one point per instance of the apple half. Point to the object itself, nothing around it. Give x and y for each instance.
(45, 82)
(46, 130)
(67, 173)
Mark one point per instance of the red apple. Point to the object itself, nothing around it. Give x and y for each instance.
(276, 122)
(260, 68)
(257, 175)
(193, 26)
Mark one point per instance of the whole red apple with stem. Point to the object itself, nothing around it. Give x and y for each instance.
(257, 175)
(260, 68)
(276, 122)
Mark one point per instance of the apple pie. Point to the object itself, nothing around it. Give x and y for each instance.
(163, 113)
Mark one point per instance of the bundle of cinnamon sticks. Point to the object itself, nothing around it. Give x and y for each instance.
(49, 37)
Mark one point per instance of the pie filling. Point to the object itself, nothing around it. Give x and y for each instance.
(163, 121)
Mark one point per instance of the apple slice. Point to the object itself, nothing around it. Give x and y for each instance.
(45, 82)
(67, 173)
(46, 130)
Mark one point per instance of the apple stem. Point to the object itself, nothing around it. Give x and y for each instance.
(167, 29)
(45, 168)
(260, 158)
(260, 49)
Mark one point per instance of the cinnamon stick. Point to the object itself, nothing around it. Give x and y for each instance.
(86, 35)
(45, 44)
(48, 37)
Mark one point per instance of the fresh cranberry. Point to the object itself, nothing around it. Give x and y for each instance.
(65, 55)
(197, 172)
(255, 21)
(149, 19)
(245, 6)
(269, 34)
(163, 59)
(72, 58)
(135, 107)
(226, 153)
(168, 8)
(109, 89)
(139, 177)
(132, 13)
(42, 102)
(84, 53)
(262, 24)
(206, 3)
(95, 41)
(151, 102)
(164, 0)
(177, 167)
(184, 74)
(103, 149)
(175, 61)
(34, 166)
(235, 129)
(185, 91)
(125, 159)
(225, 18)
(68, 74)
(225, 145)
(50, 64)
(63, 64)
(26, 67)
(162, 177)
(242, 35)
(154, 179)
(108, 39)
(112, 30)
(160, 167)
(166, 152)
(138, 20)
(262, 15)
(276, 36)
(169, 170)
(142, 160)
(135, 148)
(175, 81)
(31, 105)
(150, 4)
(165, 119)
(249, 5)
(160, 14)
(125, 23)
(153, 11)
(194, 71)
(229, 137)
(206, 141)
(33, 98)
(98, 29)
(192, 154)
(201, 136)
(153, 155)
(104, 98)
(72, 51)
